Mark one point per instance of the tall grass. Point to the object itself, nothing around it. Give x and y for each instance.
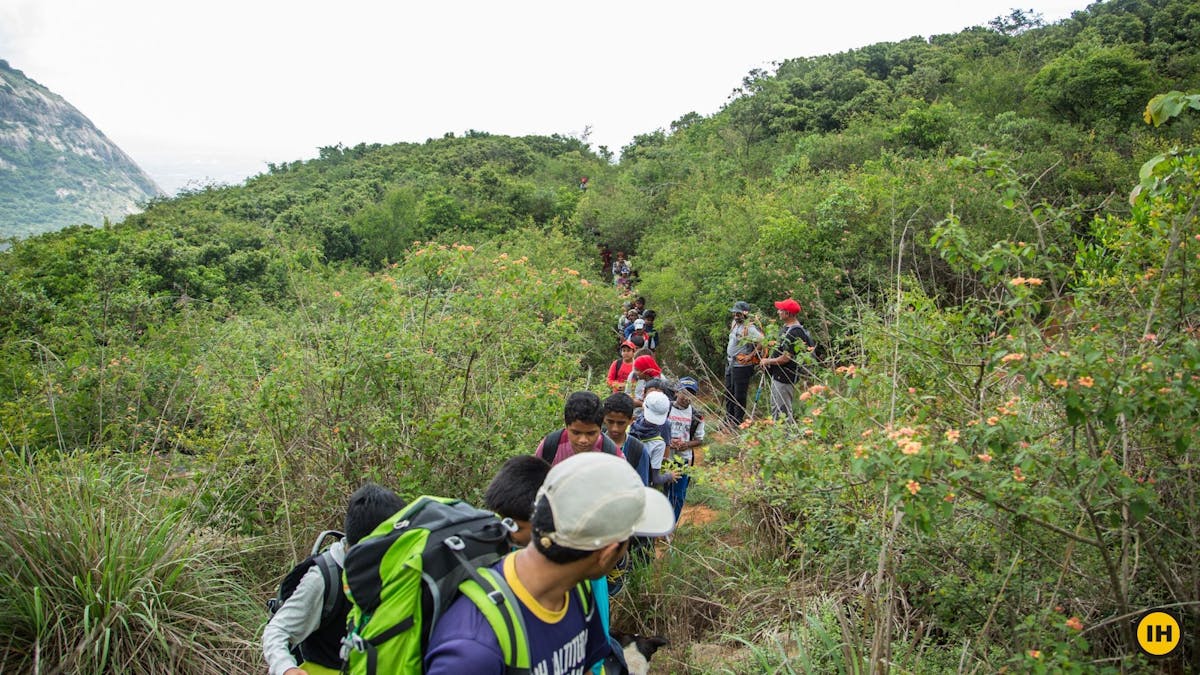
(102, 572)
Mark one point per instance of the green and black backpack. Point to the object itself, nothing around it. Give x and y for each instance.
(402, 577)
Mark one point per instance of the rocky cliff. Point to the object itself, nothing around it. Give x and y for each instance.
(56, 168)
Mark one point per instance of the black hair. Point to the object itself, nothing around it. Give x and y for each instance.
(619, 402)
(663, 385)
(369, 506)
(649, 314)
(583, 406)
(515, 485)
(638, 341)
(542, 524)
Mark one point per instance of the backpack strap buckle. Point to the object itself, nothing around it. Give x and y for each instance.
(455, 543)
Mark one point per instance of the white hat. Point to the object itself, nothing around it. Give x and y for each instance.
(639, 323)
(597, 499)
(656, 407)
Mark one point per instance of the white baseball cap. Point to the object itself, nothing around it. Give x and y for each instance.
(656, 407)
(597, 499)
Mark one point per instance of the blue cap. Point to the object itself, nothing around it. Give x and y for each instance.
(688, 383)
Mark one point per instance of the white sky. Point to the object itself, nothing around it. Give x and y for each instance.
(204, 91)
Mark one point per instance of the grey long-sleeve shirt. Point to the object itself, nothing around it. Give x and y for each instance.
(299, 616)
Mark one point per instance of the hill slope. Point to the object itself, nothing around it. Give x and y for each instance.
(58, 168)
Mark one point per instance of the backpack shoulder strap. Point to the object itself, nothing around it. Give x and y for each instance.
(333, 583)
(496, 601)
(550, 445)
(607, 446)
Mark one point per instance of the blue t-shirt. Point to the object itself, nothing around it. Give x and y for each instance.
(560, 643)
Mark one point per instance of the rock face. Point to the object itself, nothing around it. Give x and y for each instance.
(56, 168)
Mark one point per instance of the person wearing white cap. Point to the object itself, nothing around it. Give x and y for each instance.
(586, 512)
(649, 430)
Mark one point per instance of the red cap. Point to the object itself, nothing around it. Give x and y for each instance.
(629, 344)
(790, 306)
(646, 364)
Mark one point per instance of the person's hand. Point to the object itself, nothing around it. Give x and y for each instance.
(295, 671)
(670, 476)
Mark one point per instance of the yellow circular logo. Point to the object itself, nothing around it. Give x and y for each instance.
(1158, 633)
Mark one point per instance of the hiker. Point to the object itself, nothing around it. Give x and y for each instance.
(645, 368)
(620, 270)
(305, 634)
(740, 359)
(628, 317)
(687, 434)
(511, 492)
(648, 328)
(638, 327)
(583, 414)
(649, 430)
(618, 415)
(783, 364)
(618, 372)
(579, 533)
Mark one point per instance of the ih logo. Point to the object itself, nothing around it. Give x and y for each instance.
(1158, 633)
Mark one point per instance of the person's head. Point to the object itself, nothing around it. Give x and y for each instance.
(740, 310)
(369, 506)
(686, 390)
(660, 384)
(583, 415)
(648, 317)
(656, 407)
(788, 309)
(631, 314)
(640, 303)
(627, 350)
(574, 521)
(513, 490)
(646, 368)
(618, 413)
(639, 341)
(639, 325)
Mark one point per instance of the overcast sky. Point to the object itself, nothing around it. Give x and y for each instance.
(210, 91)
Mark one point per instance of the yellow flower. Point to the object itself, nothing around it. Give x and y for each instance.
(1085, 381)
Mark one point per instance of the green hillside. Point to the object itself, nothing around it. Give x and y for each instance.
(990, 232)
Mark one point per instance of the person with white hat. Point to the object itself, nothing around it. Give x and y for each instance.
(585, 514)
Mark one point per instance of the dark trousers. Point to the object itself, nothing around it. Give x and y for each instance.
(737, 385)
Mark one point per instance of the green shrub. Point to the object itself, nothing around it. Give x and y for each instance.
(102, 572)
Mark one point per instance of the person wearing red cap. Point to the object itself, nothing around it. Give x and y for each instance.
(618, 372)
(645, 368)
(783, 364)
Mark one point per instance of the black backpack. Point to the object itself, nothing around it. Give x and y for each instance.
(552, 439)
(320, 646)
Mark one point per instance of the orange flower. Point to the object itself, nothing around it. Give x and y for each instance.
(949, 497)
(1033, 281)
(1018, 281)
(911, 447)
(992, 421)
(1015, 356)
(985, 458)
(1074, 623)
(1085, 381)
(952, 435)
(1034, 653)
(913, 487)
(1059, 382)
(1017, 475)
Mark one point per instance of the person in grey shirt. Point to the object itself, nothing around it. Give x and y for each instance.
(302, 638)
(741, 357)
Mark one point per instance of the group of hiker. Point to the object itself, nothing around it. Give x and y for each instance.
(525, 584)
